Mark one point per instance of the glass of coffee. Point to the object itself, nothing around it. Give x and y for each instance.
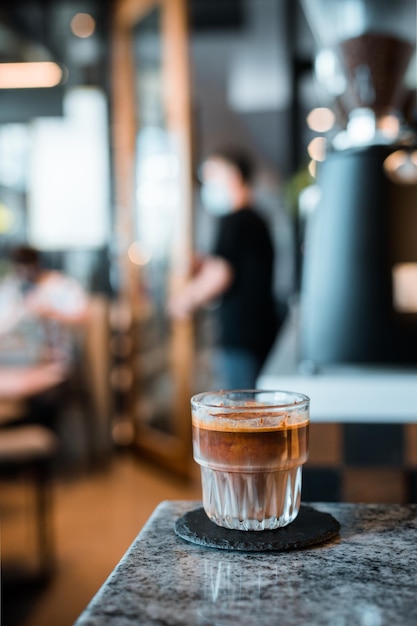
(251, 445)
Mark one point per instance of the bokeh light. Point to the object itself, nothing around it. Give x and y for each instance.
(83, 25)
(321, 119)
(317, 148)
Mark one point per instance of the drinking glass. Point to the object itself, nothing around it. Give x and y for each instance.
(251, 446)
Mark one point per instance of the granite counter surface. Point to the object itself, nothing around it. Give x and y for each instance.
(367, 576)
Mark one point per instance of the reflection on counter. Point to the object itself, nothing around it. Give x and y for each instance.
(226, 585)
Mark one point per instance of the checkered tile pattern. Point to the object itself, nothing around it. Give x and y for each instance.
(361, 463)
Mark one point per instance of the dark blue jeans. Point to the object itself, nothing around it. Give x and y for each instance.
(236, 368)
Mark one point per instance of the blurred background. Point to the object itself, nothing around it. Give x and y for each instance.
(107, 109)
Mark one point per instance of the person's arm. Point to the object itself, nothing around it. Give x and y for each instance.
(212, 280)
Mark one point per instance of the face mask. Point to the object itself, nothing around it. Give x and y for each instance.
(216, 198)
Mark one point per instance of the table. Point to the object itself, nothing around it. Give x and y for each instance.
(18, 383)
(364, 577)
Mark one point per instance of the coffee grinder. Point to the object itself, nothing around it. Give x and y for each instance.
(359, 278)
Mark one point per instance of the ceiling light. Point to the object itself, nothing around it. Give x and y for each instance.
(138, 254)
(321, 119)
(30, 75)
(389, 125)
(401, 167)
(317, 148)
(312, 168)
(83, 25)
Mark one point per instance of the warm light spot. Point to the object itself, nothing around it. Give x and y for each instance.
(317, 148)
(83, 25)
(312, 168)
(29, 75)
(389, 125)
(395, 160)
(404, 278)
(401, 167)
(138, 255)
(321, 119)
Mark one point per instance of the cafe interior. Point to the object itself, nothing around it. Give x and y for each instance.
(107, 108)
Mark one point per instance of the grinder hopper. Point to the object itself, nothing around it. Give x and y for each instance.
(372, 42)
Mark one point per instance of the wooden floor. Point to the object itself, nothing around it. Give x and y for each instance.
(97, 514)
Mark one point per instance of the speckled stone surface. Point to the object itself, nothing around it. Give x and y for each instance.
(366, 576)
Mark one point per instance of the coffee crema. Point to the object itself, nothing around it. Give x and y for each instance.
(238, 449)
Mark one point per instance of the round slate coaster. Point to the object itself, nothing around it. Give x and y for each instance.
(310, 527)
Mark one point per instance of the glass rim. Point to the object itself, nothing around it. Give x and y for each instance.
(303, 400)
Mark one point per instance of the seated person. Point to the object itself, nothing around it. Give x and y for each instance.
(40, 307)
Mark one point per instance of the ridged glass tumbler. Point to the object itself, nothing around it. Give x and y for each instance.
(251, 445)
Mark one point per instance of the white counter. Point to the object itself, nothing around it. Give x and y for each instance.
(354, 393)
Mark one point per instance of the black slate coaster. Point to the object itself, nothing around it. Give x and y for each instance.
(310, 527)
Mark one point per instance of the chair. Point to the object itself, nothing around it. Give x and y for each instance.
(29, 450)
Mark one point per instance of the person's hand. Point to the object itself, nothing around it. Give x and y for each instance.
(197, 263)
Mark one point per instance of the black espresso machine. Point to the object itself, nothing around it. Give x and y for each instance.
(359, 279)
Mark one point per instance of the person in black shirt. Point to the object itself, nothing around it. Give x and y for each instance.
(239, 272)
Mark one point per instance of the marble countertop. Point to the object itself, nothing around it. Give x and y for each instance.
(364, 577)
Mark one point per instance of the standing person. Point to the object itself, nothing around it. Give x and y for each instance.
(239, 272)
